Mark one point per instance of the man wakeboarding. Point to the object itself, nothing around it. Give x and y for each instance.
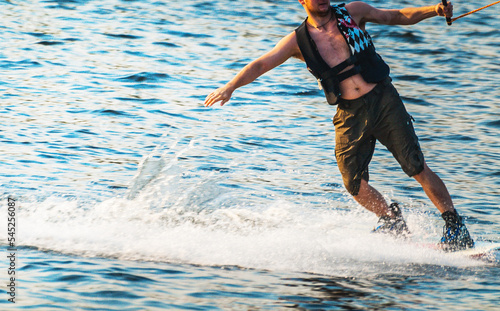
(340, 53)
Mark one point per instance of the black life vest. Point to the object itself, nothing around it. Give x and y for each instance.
(366, 61)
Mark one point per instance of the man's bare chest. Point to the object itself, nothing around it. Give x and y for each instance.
(331, 45)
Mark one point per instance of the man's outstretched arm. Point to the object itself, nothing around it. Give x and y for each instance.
(286, 48)
(364, 13)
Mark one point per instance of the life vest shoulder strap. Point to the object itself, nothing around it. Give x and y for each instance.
(316, 64)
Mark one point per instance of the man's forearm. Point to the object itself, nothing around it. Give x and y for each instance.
(247, 75)
(406, 16)
(410, 16)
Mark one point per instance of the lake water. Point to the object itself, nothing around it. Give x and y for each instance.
(130, 195)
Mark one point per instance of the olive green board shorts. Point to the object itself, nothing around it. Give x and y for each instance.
(359, 123)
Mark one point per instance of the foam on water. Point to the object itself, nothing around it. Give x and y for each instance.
(167, 217)
(277, 237)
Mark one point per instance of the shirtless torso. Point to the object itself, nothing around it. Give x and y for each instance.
(334, 50)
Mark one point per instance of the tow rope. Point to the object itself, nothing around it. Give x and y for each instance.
(449, 21)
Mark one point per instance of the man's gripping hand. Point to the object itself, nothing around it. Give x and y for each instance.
(222, 94)
(442, 10)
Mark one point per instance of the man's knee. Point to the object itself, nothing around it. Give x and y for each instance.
(414, 163)
(425, 174)
(352, 182)
(352, 186)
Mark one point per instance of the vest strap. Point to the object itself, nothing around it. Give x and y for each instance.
(349, 73)
(334, 71)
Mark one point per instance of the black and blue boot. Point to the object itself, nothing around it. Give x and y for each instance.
(393, 225)
(455, 234)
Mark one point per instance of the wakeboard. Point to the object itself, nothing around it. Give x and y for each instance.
(482, 251)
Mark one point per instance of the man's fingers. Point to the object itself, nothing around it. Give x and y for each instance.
(448, 10)
(215, 97)
(209, 103)
(222, 94)
(445, 10)
(210, 100)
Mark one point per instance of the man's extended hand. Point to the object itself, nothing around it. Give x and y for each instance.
(442, 10)
(222, 94)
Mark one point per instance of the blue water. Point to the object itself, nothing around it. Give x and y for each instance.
(133, 196)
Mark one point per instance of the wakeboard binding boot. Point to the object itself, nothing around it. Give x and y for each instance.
(395, 226)
(455, 234)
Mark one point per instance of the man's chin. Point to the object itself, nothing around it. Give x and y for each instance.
(324, 9)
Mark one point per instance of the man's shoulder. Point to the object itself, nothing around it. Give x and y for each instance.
(359, 10)
(357, 6)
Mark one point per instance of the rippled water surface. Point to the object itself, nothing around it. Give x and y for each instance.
(133, 196)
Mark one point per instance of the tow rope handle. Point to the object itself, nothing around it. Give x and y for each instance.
(448, 19)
